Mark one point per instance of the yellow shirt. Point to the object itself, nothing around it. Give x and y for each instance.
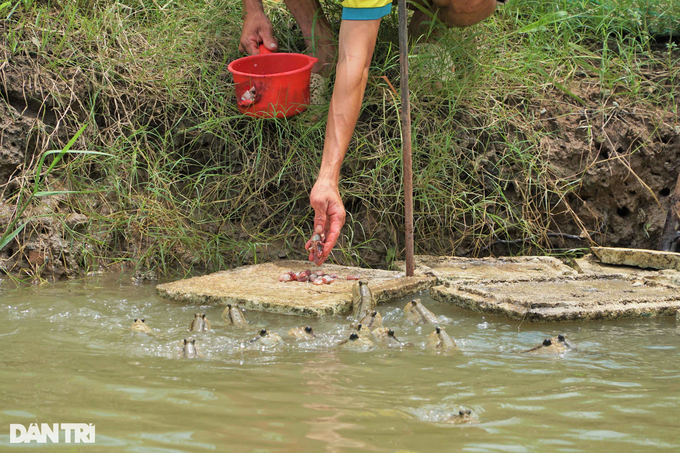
(365, 3)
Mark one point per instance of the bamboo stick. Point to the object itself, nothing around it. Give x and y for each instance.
(407, 162)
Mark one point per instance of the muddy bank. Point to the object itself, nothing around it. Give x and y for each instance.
(629, 159)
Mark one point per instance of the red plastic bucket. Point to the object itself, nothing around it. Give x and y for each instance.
(272, 84)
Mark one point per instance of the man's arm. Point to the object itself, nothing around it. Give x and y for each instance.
(357, 41)
(256, 29)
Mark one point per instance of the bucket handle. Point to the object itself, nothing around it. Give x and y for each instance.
(263, 50)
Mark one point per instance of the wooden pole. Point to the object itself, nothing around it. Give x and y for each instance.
(407, 162)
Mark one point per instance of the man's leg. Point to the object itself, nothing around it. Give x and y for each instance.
(453, 13)
(317, 32)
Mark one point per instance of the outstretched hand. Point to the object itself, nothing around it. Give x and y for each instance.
(257, 29)
(329, 217)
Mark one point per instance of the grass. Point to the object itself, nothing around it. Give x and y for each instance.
(192, 184)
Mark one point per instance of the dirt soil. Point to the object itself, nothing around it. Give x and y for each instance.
(630, 160)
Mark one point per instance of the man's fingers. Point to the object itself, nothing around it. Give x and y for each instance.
(320, 221)
(333, 235)
(331, 239)
(269, 41)
(323, 227)
(249, 44)
(252, 46)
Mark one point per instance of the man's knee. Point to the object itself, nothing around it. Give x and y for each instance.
(463, 13)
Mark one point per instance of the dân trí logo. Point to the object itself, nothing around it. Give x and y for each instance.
(73, 433)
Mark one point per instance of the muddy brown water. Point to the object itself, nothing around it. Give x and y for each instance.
(68, 356)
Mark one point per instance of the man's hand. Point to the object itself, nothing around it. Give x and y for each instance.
(329, 216)
(257, 29)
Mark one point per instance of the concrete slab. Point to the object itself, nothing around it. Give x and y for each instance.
(258, 288)
(651, 259)
(565, 299)
(590, 265)
(456, 269)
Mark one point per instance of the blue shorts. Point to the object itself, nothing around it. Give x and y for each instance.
(365, 9)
